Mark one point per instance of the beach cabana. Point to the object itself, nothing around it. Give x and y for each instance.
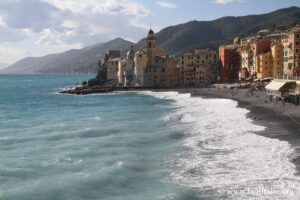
(280, 88)
(269, 79)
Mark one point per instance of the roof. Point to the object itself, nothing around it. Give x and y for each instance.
(231, 46)
(114, 59)
(141, 52)
(275, 85)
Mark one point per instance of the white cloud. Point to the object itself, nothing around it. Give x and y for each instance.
(106, 7)
(61, 25)
(55, 39)
(71, 22)
(166, 4)
(227, 1)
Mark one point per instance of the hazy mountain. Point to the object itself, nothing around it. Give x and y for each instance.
(174, 39)
(204, 34)
(72, 61)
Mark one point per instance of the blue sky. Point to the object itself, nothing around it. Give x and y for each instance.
(40, 27)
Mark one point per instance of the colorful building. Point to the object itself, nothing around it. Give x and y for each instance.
(292, 54)
(230, 62)
(157, 68)
(264, 65)
(277, 54)
(199, 67)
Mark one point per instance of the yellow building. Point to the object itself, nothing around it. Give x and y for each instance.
(155, 68)
(140, 62)
(294, 52)
(291, 61)
(199, 67)
(277, 54)
(264, 65)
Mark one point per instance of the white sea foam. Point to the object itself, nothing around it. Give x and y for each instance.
(97, 118)
(223, 152)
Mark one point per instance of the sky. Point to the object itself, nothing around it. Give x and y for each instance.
(40, 27)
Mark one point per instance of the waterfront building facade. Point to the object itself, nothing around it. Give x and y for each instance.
(264, 65)
(230, 62)
(149, 67)
(292, 54)
(156, 68)
(112, 68)
(268, 54)
(277, 54)
(199, 67)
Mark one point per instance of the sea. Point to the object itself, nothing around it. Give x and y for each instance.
(133, 146)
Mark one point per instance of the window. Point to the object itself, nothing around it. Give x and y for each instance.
(163, 69)
(297, 50)
(149, 45)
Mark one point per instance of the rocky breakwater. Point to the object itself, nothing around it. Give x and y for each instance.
(84, 90)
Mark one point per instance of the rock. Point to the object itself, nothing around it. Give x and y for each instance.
(84, 83)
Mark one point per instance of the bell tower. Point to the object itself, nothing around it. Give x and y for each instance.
(151, 40)
(151, 45)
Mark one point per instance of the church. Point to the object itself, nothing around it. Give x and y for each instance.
(148, 67)
(156, 68)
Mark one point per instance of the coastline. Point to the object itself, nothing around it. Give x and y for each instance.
(282, 121)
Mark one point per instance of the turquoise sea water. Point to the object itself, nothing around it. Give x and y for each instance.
(130, 145)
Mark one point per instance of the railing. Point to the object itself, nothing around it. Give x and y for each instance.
(287, 77)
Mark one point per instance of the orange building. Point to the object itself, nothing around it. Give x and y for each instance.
(277, 54)
(230, 62)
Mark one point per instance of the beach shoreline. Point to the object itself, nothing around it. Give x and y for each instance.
(282, 120)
